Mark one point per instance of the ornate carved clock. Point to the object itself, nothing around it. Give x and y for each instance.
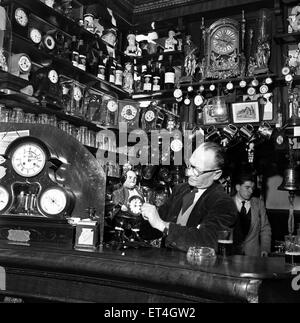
(152, 118)
(223, 49)
(33, 205)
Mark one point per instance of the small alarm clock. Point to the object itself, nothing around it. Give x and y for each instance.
(21, 65)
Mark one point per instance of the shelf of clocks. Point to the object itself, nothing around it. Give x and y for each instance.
(55, 18)
(64, 66)
(32, 105)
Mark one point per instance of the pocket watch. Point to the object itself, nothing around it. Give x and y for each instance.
(176, 145)
(4, 198)
(264, 89)
(198, 100)
(35, 35)
(21, 17)
(54, 201)
(129, 112)
(149, 115)
(28, 159)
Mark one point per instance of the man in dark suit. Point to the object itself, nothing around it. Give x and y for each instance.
(196, 210)
(252, 232)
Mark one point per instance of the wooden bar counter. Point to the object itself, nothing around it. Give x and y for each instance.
(141, 276)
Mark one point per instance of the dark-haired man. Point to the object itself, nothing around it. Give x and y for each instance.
(252, 233)
(196, 210)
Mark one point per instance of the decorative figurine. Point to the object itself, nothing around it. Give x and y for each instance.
(129, 199)
(190, 57)
(171, 42)
(128, 78)
(294, 20)
(132, 48)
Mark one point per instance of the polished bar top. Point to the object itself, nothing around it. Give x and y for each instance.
(233, 266)
(144, 275)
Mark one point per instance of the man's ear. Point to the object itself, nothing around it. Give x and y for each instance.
(218, 175)
(237, 187)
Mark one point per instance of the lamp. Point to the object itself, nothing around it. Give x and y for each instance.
(291, 184)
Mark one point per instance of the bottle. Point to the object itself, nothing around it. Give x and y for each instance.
(74, 51)
(82, 49)
(119, 73)
(137, 79)
(111, 70)
(147, 87)
(169, 75)
(101, 66)
(156, 78)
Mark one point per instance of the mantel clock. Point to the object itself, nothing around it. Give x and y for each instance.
(223, 49)
(34, 206)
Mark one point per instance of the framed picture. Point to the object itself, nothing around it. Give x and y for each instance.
(245, 112)
(212, 115)
(266, 104)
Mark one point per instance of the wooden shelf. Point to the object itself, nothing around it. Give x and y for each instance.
(33, 106)
(64, 66)
(287, 38)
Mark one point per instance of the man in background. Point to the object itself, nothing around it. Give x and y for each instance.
(252, 233)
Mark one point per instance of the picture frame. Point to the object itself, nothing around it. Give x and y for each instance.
(245, 112)
(212, 118)
(265, 103)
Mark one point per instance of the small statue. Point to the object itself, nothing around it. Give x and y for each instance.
(190, 57)
(132, 48)
(128, 78)
(171, 42)
(263, 55)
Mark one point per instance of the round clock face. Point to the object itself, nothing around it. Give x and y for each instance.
(177, 93)
(24, 63)
(28, 159)
(251, 91)
(176, 145)
(149, 116)
(112, 106)
(129, 112)
(49, 42)
(35, 35)
(264, 89)
(53, 76)
(224, 40)
(53, 201)
(134, 204)
(4, 198)
(21, 17)
(77, 93)
(187, 101)
(243, 84)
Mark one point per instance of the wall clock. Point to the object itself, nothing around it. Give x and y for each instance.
(223, 49)
(35, 35)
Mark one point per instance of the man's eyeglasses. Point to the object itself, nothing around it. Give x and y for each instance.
(190, 171)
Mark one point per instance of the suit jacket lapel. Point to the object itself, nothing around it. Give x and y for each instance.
(194, 218)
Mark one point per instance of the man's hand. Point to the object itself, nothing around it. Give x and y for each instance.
(264, 254)
(149, 213)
